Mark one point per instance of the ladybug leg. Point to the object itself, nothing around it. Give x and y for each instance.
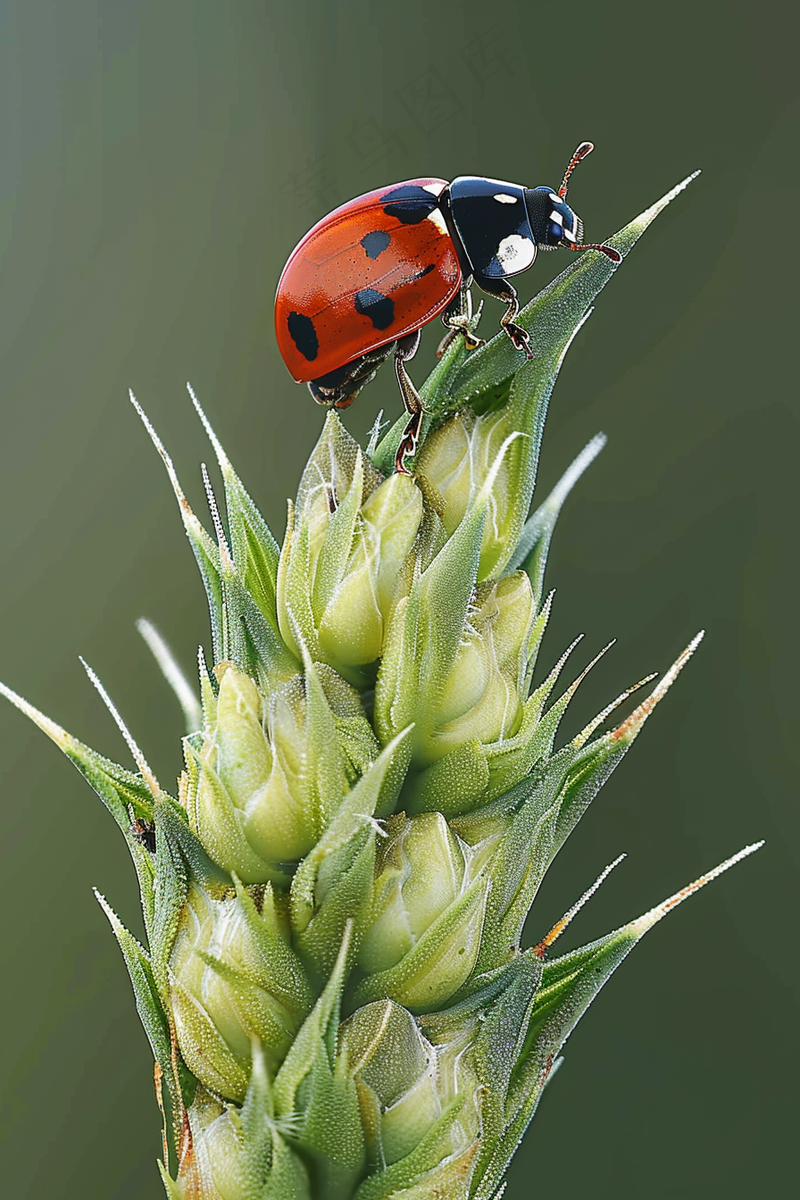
(408, 444)
(503, 290)
(406, 348)
(457, 318)
(448, 339)
(339, 388)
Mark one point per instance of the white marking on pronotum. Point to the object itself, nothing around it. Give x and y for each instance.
(555, 199)
(435, 189)
(504, 198)
(173, 674)
(516, 252)
(437, 219)
(572, 233)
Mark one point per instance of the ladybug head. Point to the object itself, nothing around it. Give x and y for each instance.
(552, 220)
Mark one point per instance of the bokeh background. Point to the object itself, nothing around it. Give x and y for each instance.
(158, 161)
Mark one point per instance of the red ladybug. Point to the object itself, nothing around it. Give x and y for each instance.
(369, 276)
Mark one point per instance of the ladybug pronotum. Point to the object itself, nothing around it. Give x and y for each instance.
(371, 274)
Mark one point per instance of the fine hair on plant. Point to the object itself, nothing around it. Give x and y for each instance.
(334, 981)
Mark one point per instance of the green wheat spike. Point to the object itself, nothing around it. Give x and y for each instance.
(334, 984)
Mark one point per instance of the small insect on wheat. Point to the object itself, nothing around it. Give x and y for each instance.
(334, 979)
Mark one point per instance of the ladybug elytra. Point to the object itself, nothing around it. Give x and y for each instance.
(371, 274)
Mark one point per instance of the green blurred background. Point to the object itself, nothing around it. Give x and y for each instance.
(158, 161)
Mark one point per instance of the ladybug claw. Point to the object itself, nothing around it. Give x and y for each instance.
(409, 444)
(472, 342)
(455, 327)
(520, 339)
(446, 342)
(405, 451)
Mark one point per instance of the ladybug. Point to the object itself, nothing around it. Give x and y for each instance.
(371, 274)
(144, 832)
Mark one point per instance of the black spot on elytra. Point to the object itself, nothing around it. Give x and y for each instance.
(409, 204)
(421, 274)
(304, 335)
(375, 243)
(374, 305)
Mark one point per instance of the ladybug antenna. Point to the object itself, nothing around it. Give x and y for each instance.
(609, 251)
(584, 149)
